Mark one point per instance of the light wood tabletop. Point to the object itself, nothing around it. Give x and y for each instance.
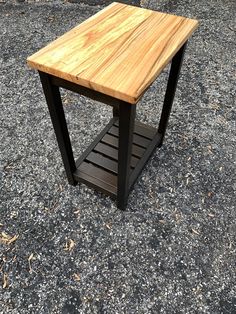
(119, 51)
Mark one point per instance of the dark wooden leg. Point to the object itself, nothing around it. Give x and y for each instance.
(115, 111)
(126, 128)
(170, 91)
(56, 111)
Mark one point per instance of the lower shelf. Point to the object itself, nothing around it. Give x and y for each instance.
(98, 165)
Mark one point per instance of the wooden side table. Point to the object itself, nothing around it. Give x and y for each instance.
(113, 57)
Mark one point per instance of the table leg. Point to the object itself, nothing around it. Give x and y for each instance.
(115, 111)
(53, 98)
(126, 128)
(170, 91)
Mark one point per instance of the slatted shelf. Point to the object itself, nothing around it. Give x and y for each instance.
(113, 141)
(95, 176)
(103, 162)
(137, 139)
(98, 165)
(112, 153)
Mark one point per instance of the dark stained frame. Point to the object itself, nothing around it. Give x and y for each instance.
(114, 160)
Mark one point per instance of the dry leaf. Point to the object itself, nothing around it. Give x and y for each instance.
(30, 257)
(211, 215)
(195, 231)
(162, 221)
(51, 18)
(108, 226)
(210, 149)
(13, 239)
(77, 277)
(5, 281)
(29, 261)
(69, 245)
(5, 236)
(7, 239)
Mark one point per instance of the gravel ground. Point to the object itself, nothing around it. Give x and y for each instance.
(68, 249)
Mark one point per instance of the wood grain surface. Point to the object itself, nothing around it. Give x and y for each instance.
(119, 51)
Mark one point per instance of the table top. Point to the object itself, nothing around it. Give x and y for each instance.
(119, 51)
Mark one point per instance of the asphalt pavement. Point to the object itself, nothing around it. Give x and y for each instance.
(69, 250)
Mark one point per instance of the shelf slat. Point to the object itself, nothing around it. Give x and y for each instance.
(112, 153)
(137, 139)
(97, 178)
(113, 141)
(103, 162)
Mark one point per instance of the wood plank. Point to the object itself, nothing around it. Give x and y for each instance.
(96, 177)
(95, 183)
(113, 141)
(119, 51)
(137, 139)
(104, 162)
(112, 153)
